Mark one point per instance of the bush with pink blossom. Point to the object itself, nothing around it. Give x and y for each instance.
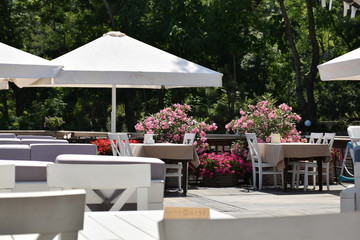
(264, 119)
(170, 125)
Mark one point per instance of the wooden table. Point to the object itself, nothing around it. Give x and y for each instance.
(125, 225)
(183, 153)
(278, 154)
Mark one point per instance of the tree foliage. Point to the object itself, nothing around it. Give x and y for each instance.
(246, 40)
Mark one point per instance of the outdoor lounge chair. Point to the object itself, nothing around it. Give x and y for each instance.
(7, 177)
(325, 226)
(47, 213)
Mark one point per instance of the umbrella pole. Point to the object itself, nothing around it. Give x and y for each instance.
(113, 109)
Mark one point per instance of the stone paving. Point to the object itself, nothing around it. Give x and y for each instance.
(242, 202)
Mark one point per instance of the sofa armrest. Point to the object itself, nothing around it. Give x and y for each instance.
(157, 166)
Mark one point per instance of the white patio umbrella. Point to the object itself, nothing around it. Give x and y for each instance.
(345, 67)
(23, 68)
(116, 60)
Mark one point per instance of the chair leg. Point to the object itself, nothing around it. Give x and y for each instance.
(293, 176)
(314, 179)
(297, 176)
(254, 178)
(327, 176)
(260, 179)
(179, 183)
(275, 178)
(306, 180)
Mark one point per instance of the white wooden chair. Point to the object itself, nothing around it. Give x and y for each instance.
(317, 227)
(120, 144)
(99, 177)
(7, 177)
(175, 169)
(298, 166)
(258, 167)
(311, 166)
(50, 214)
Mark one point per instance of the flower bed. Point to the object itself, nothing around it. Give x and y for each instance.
(221, 170)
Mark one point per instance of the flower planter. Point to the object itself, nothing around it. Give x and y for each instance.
(220, 180)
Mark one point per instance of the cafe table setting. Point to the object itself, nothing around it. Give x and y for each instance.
(279, 155)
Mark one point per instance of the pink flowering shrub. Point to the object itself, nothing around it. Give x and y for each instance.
(170, 125)
(225, 163)
(264, 119)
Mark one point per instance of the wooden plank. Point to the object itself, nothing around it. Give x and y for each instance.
(121, 228)
(94, 230)
(147, 225)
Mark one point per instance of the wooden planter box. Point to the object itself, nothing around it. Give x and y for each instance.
(223, 180)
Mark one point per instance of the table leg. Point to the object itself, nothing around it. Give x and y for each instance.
(319, 166)
(285, 174)
(185, 167)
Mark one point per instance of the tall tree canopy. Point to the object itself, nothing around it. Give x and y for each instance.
(260, 46)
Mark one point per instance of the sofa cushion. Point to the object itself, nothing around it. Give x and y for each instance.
(29, 141)
(49, 152)
(14, 152)
(157, 166)
(34, 137)
(7, 135)
(28, 171)
(10, 141)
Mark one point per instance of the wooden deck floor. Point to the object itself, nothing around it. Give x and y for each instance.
(241, 202)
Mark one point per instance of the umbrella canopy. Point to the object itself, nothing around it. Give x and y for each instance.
(116, 60)
(23, 68)
(345, 67)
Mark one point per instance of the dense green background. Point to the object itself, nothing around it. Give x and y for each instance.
(246, 40)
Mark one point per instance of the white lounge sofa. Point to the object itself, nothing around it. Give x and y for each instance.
(156, 190)
(31, 161)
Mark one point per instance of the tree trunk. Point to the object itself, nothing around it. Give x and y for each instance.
(129, 109)
(111, 16)
(315, 59)
(296, 56)
(5, 109)
(161, 97)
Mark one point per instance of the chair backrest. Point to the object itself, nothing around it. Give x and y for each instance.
(7, 177)
(270, 228)
(48, 213)
(354, 134)
(99, 177)
(189, 138)
(49, 152)
(120, 144)
(328, 139)
(316, 138)
(114, 143)
(253, 147)
(7, 135)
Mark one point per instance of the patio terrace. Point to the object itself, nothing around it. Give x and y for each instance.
(242, 202)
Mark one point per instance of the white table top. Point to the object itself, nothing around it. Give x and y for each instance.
(121, 225)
